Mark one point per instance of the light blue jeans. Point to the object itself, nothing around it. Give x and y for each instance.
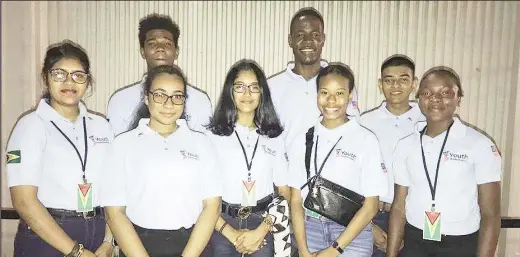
(322, 232)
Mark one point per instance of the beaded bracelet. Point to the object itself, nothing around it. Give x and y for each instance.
(222, 228)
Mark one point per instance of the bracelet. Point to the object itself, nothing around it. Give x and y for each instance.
(77, 251)
(222, 228)
(269, 220)
(110, 240)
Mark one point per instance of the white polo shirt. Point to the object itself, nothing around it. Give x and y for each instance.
(161, 181)
(269, 165)
(469, 159)
(39, 155)
(295, 101)
(124, 103)
(355, 162)
(389, 129)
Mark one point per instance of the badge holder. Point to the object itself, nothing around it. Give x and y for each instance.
(84, 198)
(432, 225)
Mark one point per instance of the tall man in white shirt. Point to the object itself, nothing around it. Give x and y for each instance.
(158, 40)
(294, 91)
(393, 120)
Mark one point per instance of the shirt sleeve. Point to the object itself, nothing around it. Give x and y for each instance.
(116, 115)
(399, 169)
(25, 152)
(114, 183)
(488, 162)
(199, 110)
(210, 174)
(281, 164)
(374, 178)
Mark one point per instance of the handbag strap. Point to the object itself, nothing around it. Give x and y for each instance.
(309, 142)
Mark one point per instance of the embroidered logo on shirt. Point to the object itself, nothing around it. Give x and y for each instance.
(101, 140)
(455, 156)
(268, 150)
(14, 156)
(345, 154)
(495, 151)
(286, 156)
(384, 168)
(187, 155)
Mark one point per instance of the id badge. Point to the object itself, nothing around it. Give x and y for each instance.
(248, 193)
(85, 197)
(432, 226)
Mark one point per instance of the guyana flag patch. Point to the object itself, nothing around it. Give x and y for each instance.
(14, 156)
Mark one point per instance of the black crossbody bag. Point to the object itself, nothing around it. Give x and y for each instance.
(328, 198)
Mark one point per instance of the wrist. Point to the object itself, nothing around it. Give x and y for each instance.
(337, 248)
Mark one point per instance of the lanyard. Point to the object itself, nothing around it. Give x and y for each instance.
(433, 188)
(318, 172)
(249, 164)
(82, 160)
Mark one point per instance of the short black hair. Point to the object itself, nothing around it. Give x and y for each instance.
(158, 21)
(443, 71)
(63, 50)
(223, 120)
(307, 11)
(142, 110)
(398, 60)
(340, 69)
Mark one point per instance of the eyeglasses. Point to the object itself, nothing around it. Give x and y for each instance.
(162, 98)
(241, 88)
(60, 75)
(400, 81)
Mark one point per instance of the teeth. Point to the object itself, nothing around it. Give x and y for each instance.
(395, 93)
(331, 109)
(307, 50)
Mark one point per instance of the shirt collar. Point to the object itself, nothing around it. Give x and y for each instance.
(46, 111)
(291, 65)
(321, 130)
(458, 129)
(414, 114)
(143, 128)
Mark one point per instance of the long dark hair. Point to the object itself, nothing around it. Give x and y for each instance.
(223, 120)
(143, 111)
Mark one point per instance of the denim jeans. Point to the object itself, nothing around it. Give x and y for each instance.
(322, 232)
(89, 232)
(223, 248)
(381, 220)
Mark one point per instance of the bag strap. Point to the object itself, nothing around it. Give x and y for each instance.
(309, 142)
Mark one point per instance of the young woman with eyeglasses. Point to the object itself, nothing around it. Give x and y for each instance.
(54, 159)
(246, 131)
(162, 193)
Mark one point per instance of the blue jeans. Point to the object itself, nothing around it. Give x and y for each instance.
(322, 232)
(223, 248)
(381, 220)
(88, 232)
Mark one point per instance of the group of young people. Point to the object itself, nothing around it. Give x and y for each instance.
(166, 175)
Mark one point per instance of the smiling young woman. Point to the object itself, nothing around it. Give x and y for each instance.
(54, 164)
(247, 133)
(344, 153)
(447, 175)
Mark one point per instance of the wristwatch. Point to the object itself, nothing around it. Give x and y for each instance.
(335, 245)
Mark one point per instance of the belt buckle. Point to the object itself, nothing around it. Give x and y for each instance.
(88, 214)
(244, 212)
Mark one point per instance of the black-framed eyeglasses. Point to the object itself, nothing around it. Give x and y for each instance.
(60, 75)
(162, 98)
(241, 88)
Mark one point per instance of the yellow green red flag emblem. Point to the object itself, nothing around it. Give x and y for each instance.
(14, 156)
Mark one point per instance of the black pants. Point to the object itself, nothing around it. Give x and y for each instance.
(163, 243)
(449, 246)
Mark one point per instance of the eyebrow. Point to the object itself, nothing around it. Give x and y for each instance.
(240, 82)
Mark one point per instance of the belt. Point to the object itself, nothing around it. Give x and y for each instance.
(386, 207)
(236, 210)
(61, 213)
